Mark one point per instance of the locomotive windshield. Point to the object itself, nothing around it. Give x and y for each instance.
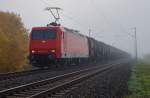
(43, 34)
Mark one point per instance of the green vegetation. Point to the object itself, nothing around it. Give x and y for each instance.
(139, 84)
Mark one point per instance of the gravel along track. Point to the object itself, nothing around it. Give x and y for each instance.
(20, 78)
(109, 84)
(51, 86)
(6, 76)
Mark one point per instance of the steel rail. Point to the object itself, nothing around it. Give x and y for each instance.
(14, 90)
(19, 74)
(68, 83)
(36, 85)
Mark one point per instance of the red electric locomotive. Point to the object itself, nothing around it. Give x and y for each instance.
(56, 44)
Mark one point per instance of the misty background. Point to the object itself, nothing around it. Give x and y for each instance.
(110, 21)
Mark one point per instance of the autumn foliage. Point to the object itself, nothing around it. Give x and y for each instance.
(13, 42)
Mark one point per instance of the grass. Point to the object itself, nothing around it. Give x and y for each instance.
(139, 84)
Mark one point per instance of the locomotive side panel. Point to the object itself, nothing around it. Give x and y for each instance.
(74, 45)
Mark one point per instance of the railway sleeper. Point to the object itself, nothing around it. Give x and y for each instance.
(62, 93)
(14, 97)
(56, 96)
(28, 93)
(17, 96)
(39, 89)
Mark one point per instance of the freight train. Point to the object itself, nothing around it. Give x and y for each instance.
(55, 44)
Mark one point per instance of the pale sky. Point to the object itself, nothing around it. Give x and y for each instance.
(110, 20)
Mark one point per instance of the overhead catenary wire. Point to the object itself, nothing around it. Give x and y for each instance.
(107, 19)
(96, 8)
(74, 21)
(102, 13)
(44, 2)
(124, 33)
(57, 12)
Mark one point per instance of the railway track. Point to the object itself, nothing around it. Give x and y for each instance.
(20, 74)
(51, 86)
(18, 79)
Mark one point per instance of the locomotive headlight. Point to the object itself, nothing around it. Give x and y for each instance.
(33, 51)
(53, 51)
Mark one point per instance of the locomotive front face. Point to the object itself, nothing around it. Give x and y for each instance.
(44, 44)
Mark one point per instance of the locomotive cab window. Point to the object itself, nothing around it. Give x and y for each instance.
(43, 34)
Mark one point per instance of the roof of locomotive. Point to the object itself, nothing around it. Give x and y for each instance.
(74, 31)
(58, 26)
(51, 25)
(43, 28)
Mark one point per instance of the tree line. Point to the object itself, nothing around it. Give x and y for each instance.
(13, 42)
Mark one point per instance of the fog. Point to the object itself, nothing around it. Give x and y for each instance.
(110, 21)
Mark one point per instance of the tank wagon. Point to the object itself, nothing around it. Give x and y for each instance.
(55, 44)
